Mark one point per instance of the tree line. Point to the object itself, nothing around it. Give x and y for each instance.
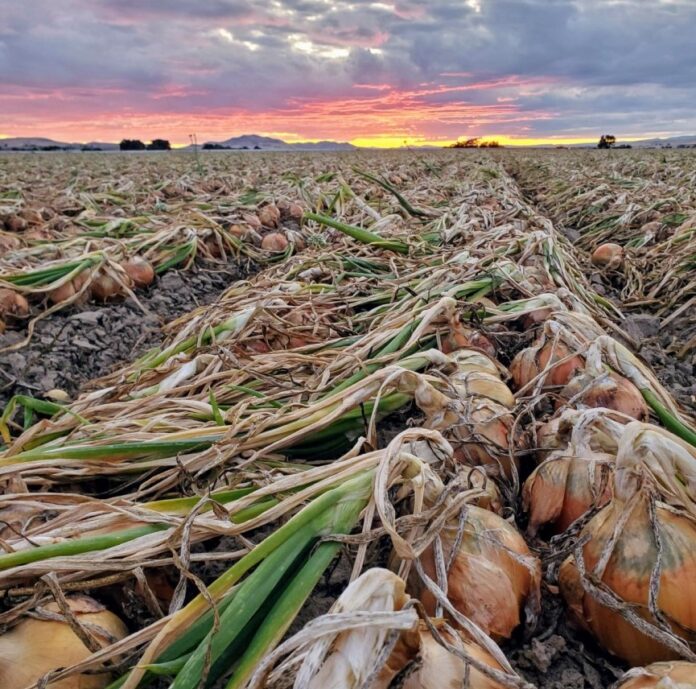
(138, 145)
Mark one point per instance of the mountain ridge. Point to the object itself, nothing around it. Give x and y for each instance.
(267, 143)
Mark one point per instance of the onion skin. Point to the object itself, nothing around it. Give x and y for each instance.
(564, 487)
(530, 362)
(34, 647)
(139, 271)
(13, 304)
(269, 216)
(62, 293)
(2, 326)
(616, 392)
(485, 582)
(680, 672)
(275, 241)
(441, 669)
(608, 256)
(14, 223)
(628, 573)
(105, 287)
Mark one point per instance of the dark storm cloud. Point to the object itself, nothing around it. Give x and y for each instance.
(569, 65)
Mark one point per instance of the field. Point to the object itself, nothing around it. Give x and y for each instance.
(244, 383)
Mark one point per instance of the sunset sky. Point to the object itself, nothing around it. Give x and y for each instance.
(373, 73)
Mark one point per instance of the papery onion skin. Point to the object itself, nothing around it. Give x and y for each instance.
(275, 241)
(485, 582)
(608, 255)
(105, 287)
(530, 362)
(681, 673)
(269, 215)
(613, 392)
(13, 304)
(140, 271)
(441, 669)
(628, 575)
(34, 647)
(62, 293)
(563, 488)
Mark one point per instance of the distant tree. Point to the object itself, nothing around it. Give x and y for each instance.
(490, 144)
(606, 141)
(131, 145)
(159, 145)
(256, 148)
(469, 143)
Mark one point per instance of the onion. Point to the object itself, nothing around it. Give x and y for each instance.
(252, 220)
(565, 486)
(674, 675)
(80, 279)
(36, 646)
(105, 287)
(612, 391)
(634, 539)
(13, 304)
(139, 270)
(269, 215)
(344, 658)
(32, 216)
(608, 256)
(2, 326)
(14, 223)
(295, 212)
(440, 669)
(275, 241)
(530, 362)
(62, 293)
(8, 242)
(493, 574)
(460, 337)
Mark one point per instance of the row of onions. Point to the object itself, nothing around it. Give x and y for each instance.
(635, 216)
(436, 398)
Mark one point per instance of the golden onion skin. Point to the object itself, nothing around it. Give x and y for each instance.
(628, 575)
(564, 487)
(681, 673)
(485, 582)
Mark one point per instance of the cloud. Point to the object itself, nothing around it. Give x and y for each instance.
(347, 69)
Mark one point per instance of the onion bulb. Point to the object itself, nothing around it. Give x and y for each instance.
(36, 646)
(105, 287)
(139, 270)
(460, 337)
(565, 486)
(493, 574)
(345, 658)
(608, 256)
(9, 242)
(13, 304)
(14, 223)
(552, 356)
(269, 215)
(440, 669)
(609, 390)
(637, 538)
(673, 675)
(62, 293)
(275, 241)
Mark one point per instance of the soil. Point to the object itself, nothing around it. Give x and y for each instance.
(557, 655)
(80, 343)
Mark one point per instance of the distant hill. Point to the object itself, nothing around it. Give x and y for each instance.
(254, 142)
(267, 143)
(34, 143)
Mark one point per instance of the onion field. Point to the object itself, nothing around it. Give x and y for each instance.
(416, 419)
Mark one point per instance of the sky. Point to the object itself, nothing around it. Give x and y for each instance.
(384, 73)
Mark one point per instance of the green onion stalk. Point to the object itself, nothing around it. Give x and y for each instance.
(281, 572)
